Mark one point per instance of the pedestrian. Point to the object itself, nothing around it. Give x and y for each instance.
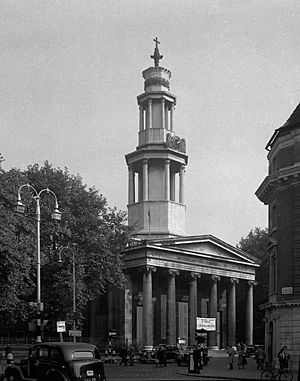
(158, 356)
(197, 359)
(9, 355)
(231, 353)
(163, 356)
(260, 357)
(283, 358)
(242, 358)
(131, 355)
(123, 355)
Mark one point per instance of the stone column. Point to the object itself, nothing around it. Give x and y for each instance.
(213, 307)
(181, 184)
(149, 115)
(193, 307)
(131, 187)
(231, 312)
(128, 308)
(167, 123)
(172, 117)
(163, 113)
(141, 118)
(172, 186)
(147, 306)
(145, 180)
(167, 180)
(171, 330)
(249, 313)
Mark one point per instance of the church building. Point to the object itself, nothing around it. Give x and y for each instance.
(178, 286)
(280, 190)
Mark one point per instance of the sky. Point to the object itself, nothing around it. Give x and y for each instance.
(71, 71)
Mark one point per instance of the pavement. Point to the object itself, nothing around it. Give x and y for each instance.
(217, 369)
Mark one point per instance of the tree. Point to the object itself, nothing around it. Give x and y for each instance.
(96, 232)
(255, 243)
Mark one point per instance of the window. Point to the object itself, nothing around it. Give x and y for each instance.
(43, 353)
(83, 355)
(55, 355)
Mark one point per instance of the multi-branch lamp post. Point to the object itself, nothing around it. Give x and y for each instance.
(73, 252)
(56, 215)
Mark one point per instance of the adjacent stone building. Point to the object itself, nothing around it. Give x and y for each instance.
(281, 192)
(171, 278)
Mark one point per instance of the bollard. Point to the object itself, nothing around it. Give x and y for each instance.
(106, 356)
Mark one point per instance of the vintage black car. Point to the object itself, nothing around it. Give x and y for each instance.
(59, 362)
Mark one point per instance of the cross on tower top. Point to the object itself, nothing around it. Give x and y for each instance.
(156, 56)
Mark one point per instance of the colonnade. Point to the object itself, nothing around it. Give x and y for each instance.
(147, 322)
(169, 182)
(167, 115)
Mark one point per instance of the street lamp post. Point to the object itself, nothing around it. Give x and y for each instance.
(73, 251)
(56, 215)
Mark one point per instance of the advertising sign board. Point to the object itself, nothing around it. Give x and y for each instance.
(209, 324)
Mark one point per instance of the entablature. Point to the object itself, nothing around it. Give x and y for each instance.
(278, 180)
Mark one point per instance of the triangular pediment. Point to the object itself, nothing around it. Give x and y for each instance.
(206, 246)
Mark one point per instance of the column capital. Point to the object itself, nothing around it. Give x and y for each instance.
(145, 161)
(167, 161)
(252, 283)
(173, 272)
(215, 278)
(195, 275)
(149, 269)
(234, 280)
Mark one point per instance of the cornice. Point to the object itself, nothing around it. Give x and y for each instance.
(278, 181)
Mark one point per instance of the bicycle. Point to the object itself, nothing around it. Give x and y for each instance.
(271, 373)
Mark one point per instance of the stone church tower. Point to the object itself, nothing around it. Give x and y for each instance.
(156, 168)
(281, 192)
(178, 286)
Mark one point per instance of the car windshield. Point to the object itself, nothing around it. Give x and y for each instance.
(83, 355)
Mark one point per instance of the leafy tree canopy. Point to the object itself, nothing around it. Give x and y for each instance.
(95, 233)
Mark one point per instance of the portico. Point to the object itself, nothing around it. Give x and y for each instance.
(177, 275)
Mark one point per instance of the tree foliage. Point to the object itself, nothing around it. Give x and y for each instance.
(255, 243)
(89, 228)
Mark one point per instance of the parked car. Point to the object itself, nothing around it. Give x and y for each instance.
(59, 362)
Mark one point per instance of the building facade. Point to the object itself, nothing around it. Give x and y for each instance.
(280, 190)
(172, 279)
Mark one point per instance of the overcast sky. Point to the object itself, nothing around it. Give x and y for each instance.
(71, 70)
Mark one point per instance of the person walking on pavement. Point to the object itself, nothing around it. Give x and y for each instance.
(231, 353)
(123, 354)
(197, 359)
(242, 358)
(131, 355)
(163, 356)
(283, 358)
(260, 357)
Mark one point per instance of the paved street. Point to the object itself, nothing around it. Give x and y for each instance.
(216, 370)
